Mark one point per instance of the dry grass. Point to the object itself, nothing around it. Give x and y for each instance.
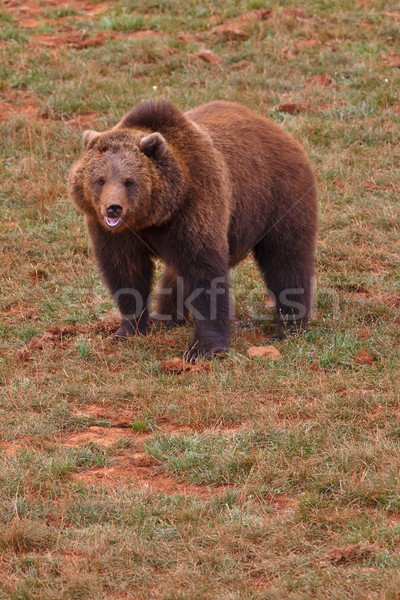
(250, 479)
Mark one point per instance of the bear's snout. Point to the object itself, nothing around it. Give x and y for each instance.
(114, 210)
(113, 217)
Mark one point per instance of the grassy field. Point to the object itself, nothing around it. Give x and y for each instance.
(250, 479)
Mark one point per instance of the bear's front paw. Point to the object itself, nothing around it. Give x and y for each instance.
(198, 350)
(130, 328)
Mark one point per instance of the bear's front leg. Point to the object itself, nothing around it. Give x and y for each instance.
(127, 269)
(209, 302)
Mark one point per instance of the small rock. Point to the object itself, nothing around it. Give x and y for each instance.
(269, 352)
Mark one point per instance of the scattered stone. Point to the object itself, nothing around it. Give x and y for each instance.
(269, 352)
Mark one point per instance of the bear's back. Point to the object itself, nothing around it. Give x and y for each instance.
(268, 168)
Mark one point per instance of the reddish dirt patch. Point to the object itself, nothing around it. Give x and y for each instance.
(292, 108)
(187, 38)
(178, 365)
(306, 43)
(296, 13)
(395, 108)
(364, 333)
(208, 56)
(393, 60)
(99, 435)
(84, 120)
(233, 30)
(346, 554)
(16, 103)
(124, 418)
(227, 32)
(19, 312)
(282, 504)
(74, 39)
(364, 358)
(240, 64)
(31, 13)
(371, 185)
(10, 448)
(58, 336)
(140, 469)
(255, 337)
(391, 15)
(89, 8)
(142, 34)
(24, 13)
(260, 14)
(323, 80)
(394, 518)
(118, 416)
(375, 265)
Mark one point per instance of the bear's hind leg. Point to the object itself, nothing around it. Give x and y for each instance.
(288, 276)
(170, 300)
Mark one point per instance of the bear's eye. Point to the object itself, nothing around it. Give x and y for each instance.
(128, 183)
(100, 181)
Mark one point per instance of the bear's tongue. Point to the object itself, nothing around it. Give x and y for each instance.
(112, 221)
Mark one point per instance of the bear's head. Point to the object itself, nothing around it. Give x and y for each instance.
(127, 178)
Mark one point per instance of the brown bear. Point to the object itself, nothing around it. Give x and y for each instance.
(199, 190)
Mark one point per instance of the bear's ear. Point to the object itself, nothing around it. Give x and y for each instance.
(153, 145)
(88, 136)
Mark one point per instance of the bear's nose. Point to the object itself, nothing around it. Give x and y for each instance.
(114, 210)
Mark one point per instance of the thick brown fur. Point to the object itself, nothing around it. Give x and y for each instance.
(199, 190)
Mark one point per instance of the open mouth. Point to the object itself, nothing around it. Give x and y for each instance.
(112, 221)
